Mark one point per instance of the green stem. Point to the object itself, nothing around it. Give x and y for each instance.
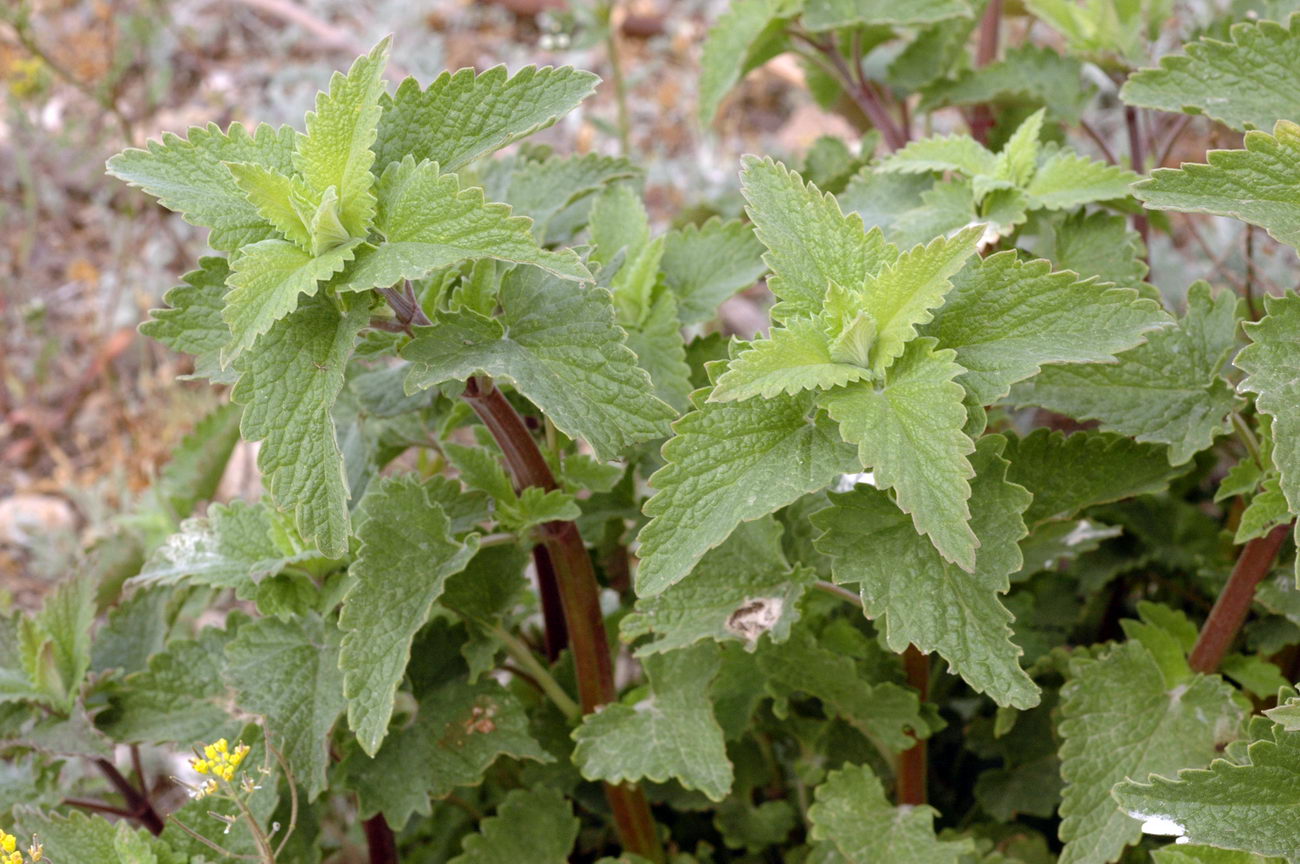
(616, 75)
(522, 655)
(1247, 438)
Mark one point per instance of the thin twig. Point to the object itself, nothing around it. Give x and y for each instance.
(864, 95)
(1171, 139)
(838, 591)
(1137, 158)
(1099, 141)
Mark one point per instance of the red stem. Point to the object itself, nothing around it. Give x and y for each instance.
(1234, 601)
(1137, 159)
(986, 53)
(380, 840)
(140, 807)
(574, 581)
(912, 767)
(859, 89)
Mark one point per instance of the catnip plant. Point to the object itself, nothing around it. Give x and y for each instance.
(981, 553)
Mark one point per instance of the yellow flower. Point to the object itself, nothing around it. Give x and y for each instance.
(36, 851)
(8, 842)
(199, 765)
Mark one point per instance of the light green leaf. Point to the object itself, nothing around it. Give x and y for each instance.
(1248, 83)
(407, 553)
(1167, 391)
(706, 264)
(1005, 317)
(671, 733)
(960, 153)
(659, 347)
(737, 42)
(1019, 157)
(287, 387)
(924, 600)
(794, 358)
(463, 115)
(56, 641)
(739, 591)
(1065, 180)
(1033, 73)
(1259, 185)
(1067, 474)
(909, 432)
(810, 242)
(535, 825)
(266, 282)
(192, 323)
(82, 837)
(729, 463)
(1188, 854)
(558, 344)
(1272, 366)
(273, 194)
(191, 178)
(429, 222)
(834, 14)
(1266, 510)
(557, 192)
(336, 152)
(619, 222)
(1120, 718)
(1286, 715)
(852, 814)
(1099, 244)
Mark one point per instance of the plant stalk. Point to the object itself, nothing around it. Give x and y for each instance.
(912, 767)
(1229, 612)
(574, 581)
(986, 53)
(861, 91)
(139, 806)
(380, 840)
(1137, 159)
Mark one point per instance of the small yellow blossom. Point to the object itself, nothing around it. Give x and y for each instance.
(36, 851)
(8, 842)
(220, 760)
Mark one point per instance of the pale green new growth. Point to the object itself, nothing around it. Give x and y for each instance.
(407, 553)
(1167, 391)
(960, 153)
(1248, 83)
(463, 115)
(852, 814)
(926, 601)
(793, 359)
(671, 733)
(1065, 180)
(1272, 366)
(559, 346)
(535, 825)
(1259, 185)
(1120, 718)
(909, 432)
(729, 463)
(288, 386)
(273, 194)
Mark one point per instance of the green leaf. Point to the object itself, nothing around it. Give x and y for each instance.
(792, 359)
(619, 222)
(729, 463)
(196, 466)
(1272, 366)
(273, 194)
(1167, 391)
(1286, 714)
(1065, 180)
(1005, 317)
(659, 347)
(909, 432)
(1180, 854)
(852, 814)
(1247, 804)
(737, 42)
(924, 600)
(706, 264)
(739, 591)
(534, 825)
(1259, 185)
(191, 178)
(559, 346)
(429, 223)
(463, 115)
(266, 281)
(407, 553)
(336, 152)
(810, 242)
(671, 733)
(557, 192)
(1248, 83)
(960, 153)
(193, 323)
(834, 14)
(1037, 74)
(82, 837)
(1266, 510)
(1100, 244)
(287, 387)
(1067, 474)
(288, 672)
(1121, 718)
(55, 642)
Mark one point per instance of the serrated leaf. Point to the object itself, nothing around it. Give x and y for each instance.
(192, 321)
(559, 346)
(1286, 714)
(1167, 391)
(619, 223)
(704, 265)
(266, 281)
(730, 463)
(1005, 317)
(909, 432)
(1100, 244)
(335, 151)
(1065, 180)
(1266, 510)
(1180, 854)
(1067, 474)
(924, 600)
(960, 153)
(557, 192)
(196, 466)
(273, 193)
(1247, 805)
(1259, 185)
(407, 553)
(1248, 83)
(1034, 73)
(670, 734)
(660, 350)
(834, 14)
(792, 359)
(739, 591)
(429, 223)
(463, 115)
(1272, 366)
(82, 837)
(535, 825)
(1121, 719)
(735, 44)
(288, 386)
(190, 177)
(288, 672)
(852, 814)
(55, 642)
(810, 242)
